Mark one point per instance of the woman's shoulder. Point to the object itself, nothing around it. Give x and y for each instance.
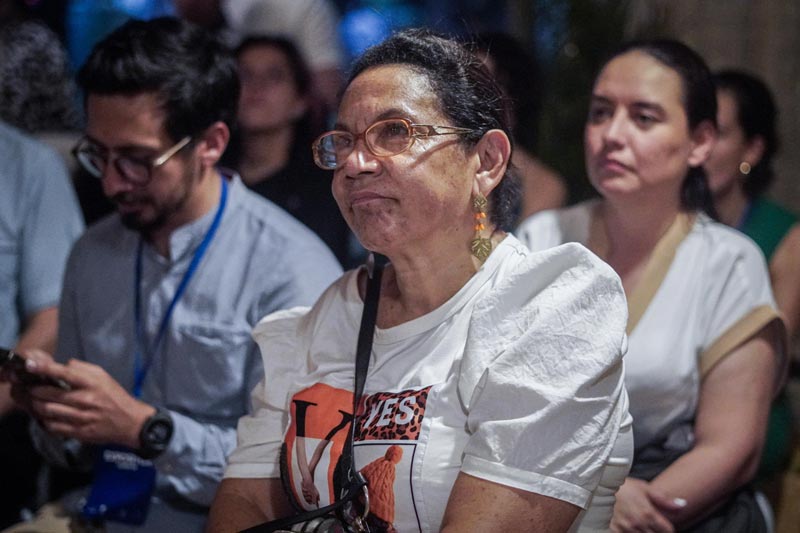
(549, 308)
(728, 266)
(722, 244)
(553, 280)
(556, 226)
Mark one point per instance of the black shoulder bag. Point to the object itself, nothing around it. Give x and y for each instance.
(340, 516)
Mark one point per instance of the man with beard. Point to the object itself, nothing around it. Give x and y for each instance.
(159, 298)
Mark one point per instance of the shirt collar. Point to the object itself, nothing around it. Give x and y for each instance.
(185, 239)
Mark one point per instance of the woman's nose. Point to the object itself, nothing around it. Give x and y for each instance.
(361, 160)
(614, 132)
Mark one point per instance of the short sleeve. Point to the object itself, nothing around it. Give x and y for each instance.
(740, 302)
(542, 375)
(260, 433)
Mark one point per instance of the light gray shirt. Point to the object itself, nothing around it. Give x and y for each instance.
(39, 222)
(259, 261)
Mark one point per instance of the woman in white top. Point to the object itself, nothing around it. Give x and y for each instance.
(706, 344)
(494, 399)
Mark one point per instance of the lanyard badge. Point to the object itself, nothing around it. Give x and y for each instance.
(122, 487)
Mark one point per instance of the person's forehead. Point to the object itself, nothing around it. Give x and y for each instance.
(380, 89)
(638, 76)
(129, 120)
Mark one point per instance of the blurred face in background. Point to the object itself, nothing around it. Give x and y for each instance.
(732, 148)
(637, 139)
(270, 99)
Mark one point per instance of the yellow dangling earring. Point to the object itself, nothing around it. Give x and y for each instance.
(480, 246)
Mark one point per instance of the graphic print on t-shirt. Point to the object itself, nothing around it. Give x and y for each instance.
(386, 442)
(313, 444)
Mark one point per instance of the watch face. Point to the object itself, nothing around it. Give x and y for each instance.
(159, 432)
(155, 434)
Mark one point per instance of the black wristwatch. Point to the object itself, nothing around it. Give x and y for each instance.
(155, 434)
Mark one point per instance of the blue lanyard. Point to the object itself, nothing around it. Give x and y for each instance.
(143, 366)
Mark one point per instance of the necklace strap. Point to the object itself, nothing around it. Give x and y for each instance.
(353, 482)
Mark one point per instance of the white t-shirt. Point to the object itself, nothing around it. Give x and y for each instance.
(516, 379)
(705, 290)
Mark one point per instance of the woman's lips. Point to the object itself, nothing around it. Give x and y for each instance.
(364, 197)
(612, 166)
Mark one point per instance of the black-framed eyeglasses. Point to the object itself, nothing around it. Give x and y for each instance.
(383, 138)
(135, 170)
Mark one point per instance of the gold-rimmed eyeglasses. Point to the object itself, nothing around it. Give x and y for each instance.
(383, 138)
(135, 170)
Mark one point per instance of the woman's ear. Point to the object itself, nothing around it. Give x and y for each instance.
(703, 138)
(755, 150)
(212, 144)
(494, 153)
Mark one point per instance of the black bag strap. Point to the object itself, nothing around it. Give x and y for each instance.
(355, 482)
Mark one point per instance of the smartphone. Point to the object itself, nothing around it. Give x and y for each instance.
(16, 363)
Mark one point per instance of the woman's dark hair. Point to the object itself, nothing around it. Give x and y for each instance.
(756, 115)
(467, 94)
(699, 103)
(192, 72)
(301, 74)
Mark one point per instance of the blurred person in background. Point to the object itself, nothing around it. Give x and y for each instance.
(277, 121)
(38, 95)
(740, 174)
(707, 347)
(39, 221)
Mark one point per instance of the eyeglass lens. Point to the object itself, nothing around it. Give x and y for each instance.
(95, 163)
(384, 138)
(136, 171)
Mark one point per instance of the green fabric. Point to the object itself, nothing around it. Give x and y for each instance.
(767, 224)
(776, 454)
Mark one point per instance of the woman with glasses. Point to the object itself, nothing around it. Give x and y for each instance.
(494, 398)
(706, 342)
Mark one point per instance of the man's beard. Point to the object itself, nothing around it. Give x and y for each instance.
(145, 227)
(164, 210)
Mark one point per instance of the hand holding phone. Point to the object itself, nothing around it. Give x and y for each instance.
(15, 363)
